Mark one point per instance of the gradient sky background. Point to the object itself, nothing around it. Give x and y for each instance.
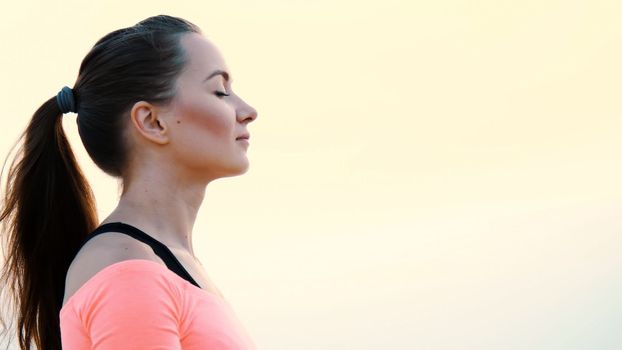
(424, 174)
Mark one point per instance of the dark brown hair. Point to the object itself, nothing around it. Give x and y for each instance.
(48, 208)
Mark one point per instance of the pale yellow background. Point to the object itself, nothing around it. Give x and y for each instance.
(424, 174)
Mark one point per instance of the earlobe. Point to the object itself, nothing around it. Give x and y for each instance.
(148, 123)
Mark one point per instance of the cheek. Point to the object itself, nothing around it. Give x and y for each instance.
(203, 124)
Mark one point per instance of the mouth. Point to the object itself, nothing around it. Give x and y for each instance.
(244, 137)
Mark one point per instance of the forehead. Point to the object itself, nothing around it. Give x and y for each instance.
(203, 56)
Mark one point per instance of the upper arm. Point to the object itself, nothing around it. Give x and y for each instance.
(133, 309)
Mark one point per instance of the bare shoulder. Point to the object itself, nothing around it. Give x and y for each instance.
(101, 251)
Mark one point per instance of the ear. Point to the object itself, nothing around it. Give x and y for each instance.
(148, 123)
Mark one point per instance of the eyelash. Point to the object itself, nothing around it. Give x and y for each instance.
(220, 94)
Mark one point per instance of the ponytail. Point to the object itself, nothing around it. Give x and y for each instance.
(47, 210)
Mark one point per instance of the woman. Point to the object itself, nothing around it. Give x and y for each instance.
(155, 109)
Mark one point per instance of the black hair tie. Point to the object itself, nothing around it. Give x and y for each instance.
(66, 101)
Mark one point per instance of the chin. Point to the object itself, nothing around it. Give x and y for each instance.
(236, 170)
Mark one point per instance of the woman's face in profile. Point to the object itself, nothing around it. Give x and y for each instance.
(204, 123)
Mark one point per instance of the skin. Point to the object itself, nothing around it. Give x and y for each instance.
(178, 149)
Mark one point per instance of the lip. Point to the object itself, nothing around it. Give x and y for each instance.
(244, 141)
(244, 137)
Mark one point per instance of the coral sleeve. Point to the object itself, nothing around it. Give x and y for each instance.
(130, 308)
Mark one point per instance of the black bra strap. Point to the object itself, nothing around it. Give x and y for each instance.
(160, 249)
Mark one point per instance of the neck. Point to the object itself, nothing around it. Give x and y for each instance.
(162, 206)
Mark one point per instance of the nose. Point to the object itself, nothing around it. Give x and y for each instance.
(246, 113)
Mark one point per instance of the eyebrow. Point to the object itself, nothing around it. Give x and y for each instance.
(218, 72)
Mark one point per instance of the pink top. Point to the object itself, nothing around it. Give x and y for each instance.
(141, 304)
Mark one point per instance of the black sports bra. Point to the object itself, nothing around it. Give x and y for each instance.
(159, 248)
